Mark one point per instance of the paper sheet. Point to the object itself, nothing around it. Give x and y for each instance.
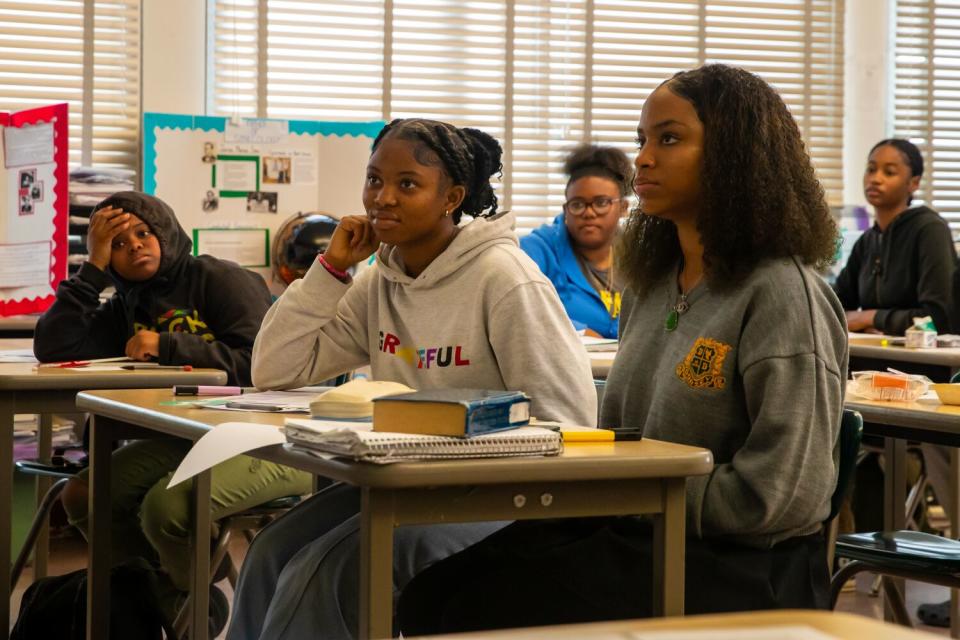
(256, 131)
(18, 355)
(236, 175)
(246, 247)
(25, 264)
(28, 145)
(771, 632)
(296, 399)
(223, 442)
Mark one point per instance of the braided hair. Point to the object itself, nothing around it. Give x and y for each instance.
(589, 160)
(467, 157)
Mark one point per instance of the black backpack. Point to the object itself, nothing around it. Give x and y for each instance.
(56, 607)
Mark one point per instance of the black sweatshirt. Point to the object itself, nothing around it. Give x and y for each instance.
(902, 272)
(207, 311)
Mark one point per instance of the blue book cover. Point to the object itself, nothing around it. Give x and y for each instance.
(455, 412)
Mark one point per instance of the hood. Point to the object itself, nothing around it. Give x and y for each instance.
(475, 237)
(551, 233)
(175, 244)
(912, 214)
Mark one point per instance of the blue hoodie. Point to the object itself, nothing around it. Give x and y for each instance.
(550, 248)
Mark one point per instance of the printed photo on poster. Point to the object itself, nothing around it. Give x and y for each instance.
(36, 191)
(262, 202)
(26, 205)
(276, 170)
(210, 201)
(209, 152)
(27, 178)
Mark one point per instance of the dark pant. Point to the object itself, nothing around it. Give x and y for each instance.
(581, 570)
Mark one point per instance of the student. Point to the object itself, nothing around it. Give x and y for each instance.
(576, 251)
(903, 266)
(176, 309)
(730, 340)
(445, 306)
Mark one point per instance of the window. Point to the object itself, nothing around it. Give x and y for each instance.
(85, 53)
(539, 75)
(927, 97)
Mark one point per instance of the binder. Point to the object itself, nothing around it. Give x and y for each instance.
(381, 447)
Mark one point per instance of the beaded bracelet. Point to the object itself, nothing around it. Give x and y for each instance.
(343, 276)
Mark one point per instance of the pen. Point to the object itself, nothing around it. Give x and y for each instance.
(149, 366)
(206, 390)
(252, 406)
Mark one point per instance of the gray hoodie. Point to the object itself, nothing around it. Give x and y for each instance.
(481, 315)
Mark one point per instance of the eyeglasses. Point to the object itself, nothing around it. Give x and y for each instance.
(601, 206)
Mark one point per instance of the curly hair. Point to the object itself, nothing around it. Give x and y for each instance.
(602, 162)
(760, 196)
(467, 157)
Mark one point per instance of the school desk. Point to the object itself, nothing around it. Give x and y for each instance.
(18, 326)
(875, 352)
(24, 389)
(829, 624)
(922, 421)
(590, 479)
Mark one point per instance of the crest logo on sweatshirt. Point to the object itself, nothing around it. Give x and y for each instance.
(703, 366)
(425, 357)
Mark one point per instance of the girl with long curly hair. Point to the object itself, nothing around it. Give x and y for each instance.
(731, 341)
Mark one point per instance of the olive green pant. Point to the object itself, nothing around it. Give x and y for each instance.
(154, 522)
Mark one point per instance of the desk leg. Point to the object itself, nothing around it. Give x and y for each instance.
(376, 564)
(669, 549)
(41, 550)
(895, 497)
(200, 559)
(7, 409)
(102, 436)
(954, 510)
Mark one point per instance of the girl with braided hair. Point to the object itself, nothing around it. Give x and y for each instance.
(446, 306)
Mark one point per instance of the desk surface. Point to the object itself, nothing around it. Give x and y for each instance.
(845, 626)
(23, 377)
(598, 460)
(928, 414)
(869, 347)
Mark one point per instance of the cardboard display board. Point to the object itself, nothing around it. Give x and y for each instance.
(230, 182)
(33, 190)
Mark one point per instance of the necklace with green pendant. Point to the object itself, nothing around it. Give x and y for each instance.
(677, 310)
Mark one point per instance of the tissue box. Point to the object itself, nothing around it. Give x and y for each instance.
(921, 338)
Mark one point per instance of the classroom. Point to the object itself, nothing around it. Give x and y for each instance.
(494, 319)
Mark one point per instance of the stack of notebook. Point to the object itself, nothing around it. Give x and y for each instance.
(359, 442)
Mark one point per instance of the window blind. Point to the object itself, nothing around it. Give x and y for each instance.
(539, 75)
(85, 53)
(927, 97)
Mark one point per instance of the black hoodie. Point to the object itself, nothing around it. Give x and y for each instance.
(902, 272)
(207, 311)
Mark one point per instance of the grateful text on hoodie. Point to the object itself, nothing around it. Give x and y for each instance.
(207, 311)
(481, 315)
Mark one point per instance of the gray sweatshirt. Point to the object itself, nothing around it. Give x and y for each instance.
(755, 374)
(481, 315)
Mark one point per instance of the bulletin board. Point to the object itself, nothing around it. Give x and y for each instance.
(234, 182)
(33, 190)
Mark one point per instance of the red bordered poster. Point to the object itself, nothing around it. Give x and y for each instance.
(33, 190)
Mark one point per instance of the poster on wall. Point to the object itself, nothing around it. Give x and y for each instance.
(33, 233)
(251, 175)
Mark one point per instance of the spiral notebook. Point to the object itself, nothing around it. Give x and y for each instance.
(385, 447)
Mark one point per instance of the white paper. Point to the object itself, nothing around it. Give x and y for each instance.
(23, 265)
(246, 247)
(322, 426)
(18, 355)
(28, 145)
(223, 442)
(304, 168)
(236, 175)
(771, 632)
(294, 400)
(256, 131)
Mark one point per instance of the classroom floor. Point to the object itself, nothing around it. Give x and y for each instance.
(68, 554)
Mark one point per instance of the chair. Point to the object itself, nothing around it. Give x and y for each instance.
(851, 431)
(246, 523)
(62, 469)
(903, 554)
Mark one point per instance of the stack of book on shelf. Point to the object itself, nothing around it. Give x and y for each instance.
(432, 425)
